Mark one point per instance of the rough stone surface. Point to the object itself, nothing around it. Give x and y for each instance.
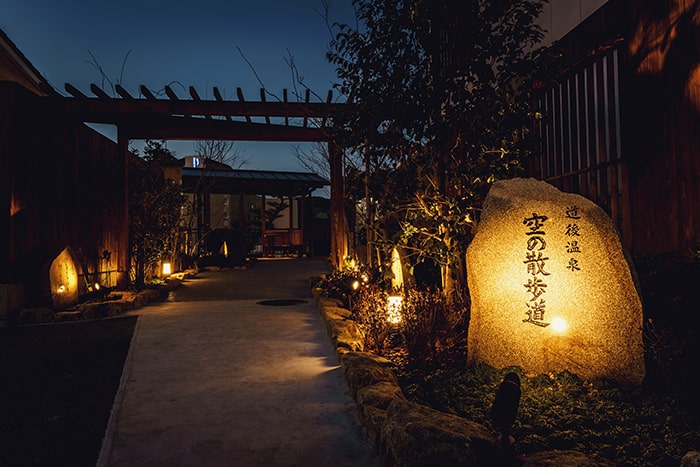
(373, 420)
(326, 301)
(416, 435)
(334, 312)
(364, 369)
(562, 459)
(62, 281)
(345, 333)
(379, 395)
(525, 272)
(35, 315)
(691, 459)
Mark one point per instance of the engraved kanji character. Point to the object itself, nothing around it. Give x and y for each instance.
(532, 243)
(573, 265)
(535, 223)
(536, 287)
(573, 247)
(535, 263)
(573, 230)
(535, 314)
(572, 212)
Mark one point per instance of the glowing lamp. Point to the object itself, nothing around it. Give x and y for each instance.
(393, 309)
(61, 288)
(167, 269)
(559, 325)
(355, 285)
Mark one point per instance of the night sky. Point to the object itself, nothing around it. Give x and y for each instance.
(203, 44)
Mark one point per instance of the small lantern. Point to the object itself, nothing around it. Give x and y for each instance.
(166, 269)
(393, 309)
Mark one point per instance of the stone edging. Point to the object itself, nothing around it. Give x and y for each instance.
(407, 434)
(115, 304)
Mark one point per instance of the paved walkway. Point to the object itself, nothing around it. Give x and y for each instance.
(215, 379)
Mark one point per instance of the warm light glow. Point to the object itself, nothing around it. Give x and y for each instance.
(550, 287)
(365, 278)
(224, 249)
(355, 285)
(397, 279)
(559, 325)
(61, 288)
(166, 269)
(393, 309)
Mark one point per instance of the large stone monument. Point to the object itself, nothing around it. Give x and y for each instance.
(60, 281)
(551, 289)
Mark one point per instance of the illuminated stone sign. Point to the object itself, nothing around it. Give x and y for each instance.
(63, 281)
(550, 287)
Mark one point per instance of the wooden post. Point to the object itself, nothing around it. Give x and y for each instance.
(263, 221)
(338, 243)
(124, 261)
(303, 224)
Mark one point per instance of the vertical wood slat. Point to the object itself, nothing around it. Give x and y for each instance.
(580, 135)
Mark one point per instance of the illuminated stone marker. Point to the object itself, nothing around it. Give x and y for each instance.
(550, 287)
(63, 281)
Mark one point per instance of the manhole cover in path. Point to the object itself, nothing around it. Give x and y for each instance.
(282, 302)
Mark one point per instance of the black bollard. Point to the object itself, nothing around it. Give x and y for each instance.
(505, 407)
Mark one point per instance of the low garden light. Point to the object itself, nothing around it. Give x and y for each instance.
(167, 269)
(393, 309)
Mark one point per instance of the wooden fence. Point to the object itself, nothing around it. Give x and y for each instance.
(621, 125)
(65, 185)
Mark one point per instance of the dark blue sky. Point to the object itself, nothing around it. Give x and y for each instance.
(196, 43)
(200, 43)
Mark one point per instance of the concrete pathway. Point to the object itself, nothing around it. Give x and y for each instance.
(215, 379)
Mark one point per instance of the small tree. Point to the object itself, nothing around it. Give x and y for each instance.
(439, 98)
(154, 211)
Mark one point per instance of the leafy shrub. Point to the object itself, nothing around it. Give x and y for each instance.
(368, 310)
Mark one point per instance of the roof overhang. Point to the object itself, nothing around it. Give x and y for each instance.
(250, 182)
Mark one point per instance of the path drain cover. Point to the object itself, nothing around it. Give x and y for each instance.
(281, 302)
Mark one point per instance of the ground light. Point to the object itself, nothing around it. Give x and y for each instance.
(393, 309)
(167, 269)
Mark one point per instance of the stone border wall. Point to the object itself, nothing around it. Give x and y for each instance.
(115, 304)
(407, 434)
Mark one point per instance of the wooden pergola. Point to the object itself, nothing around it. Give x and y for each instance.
(151, 116)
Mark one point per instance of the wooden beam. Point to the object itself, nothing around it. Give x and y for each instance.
(307, 97)
(146, 93)
(182, 128)
(262, 99)
(220, 98)
(123, 92)
(99, 92)
(239, 93)
(171, 94)
(195, 96)
(75, 91)
(329, 99)
(123, 108)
